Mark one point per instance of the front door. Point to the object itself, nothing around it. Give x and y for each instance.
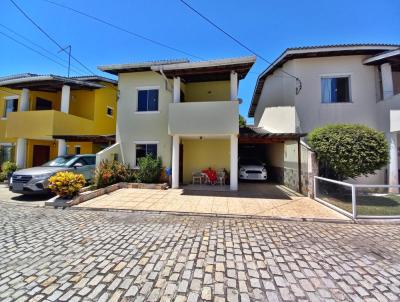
(41, 155)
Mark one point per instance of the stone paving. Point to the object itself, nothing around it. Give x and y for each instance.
(251, 200)
(81, 255)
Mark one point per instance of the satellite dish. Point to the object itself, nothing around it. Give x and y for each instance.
(240, 101)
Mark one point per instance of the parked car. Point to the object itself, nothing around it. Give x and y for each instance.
(35, 180)
(252, 169)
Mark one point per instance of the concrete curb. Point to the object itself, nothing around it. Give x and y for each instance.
(230, 216)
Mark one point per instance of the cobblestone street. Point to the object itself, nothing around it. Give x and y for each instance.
(74, 255)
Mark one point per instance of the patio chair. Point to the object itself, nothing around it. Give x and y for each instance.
(221, 178)
(197, 177)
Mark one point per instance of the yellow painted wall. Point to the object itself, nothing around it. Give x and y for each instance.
(207, 91)
(31, 142)
(202, 154)
(82, 103)
(54, 98)
(86, 147)
(104, 97)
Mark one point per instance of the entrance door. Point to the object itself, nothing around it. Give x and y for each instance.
(41, 154)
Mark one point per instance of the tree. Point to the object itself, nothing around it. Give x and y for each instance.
(349, 150)
(242, 121)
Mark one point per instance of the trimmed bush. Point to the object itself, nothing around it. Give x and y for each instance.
(150, 169)
(112, 172)
(8, 167)
(349, 150)
(66, 184)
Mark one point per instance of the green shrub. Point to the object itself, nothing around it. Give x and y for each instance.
(112, 172)
(8, 167)
(150, 169)
(349, 150)
(66, 184)
(3, 176)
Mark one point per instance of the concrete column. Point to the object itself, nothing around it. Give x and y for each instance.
(24, 106)
(234, 86)
(62, 147)
(234, 163)
(175, 162)
(177, 89)
(312, 170)
(387, 80)
(21, 153)
(65, 97)
(393, 165)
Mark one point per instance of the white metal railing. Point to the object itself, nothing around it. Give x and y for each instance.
(343, 207)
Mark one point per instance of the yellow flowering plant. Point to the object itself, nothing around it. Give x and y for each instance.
(66, 184)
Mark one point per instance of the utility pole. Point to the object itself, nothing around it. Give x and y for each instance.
(69, 56)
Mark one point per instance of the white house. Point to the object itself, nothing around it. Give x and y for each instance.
(308, 87)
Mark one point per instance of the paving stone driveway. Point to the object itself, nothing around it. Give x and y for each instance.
(74, 255)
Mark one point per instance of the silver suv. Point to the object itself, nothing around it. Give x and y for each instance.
(35, 180)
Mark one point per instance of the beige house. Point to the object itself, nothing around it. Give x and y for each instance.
(185, 112)
(309, 87)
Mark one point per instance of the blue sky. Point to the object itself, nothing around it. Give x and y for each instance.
(269, 27)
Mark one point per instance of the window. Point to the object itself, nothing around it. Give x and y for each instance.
(11, 105)
(42, 104)
(77, 149)
(143, 149)
(110, 111)
(335, 90)
(90, 160)
(147, 100)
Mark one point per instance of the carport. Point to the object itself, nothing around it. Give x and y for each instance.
(282, 153)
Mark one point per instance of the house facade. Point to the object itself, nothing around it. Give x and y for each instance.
(185, 112)
(310, 87)
(43, 116)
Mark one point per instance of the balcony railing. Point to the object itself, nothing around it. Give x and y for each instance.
(45, 124)
(204, 118)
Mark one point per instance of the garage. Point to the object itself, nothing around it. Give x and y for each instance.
(284, 155)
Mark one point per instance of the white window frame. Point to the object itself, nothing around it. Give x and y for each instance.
(112, 108)
(137, 99)
(337, 75)
(8, 97)
(144, 143)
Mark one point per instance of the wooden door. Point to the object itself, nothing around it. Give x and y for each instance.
(41, 155)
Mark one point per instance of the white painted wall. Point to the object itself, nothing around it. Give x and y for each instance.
(133, 126)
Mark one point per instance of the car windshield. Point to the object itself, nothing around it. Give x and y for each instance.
(61, 161)
(250, 162)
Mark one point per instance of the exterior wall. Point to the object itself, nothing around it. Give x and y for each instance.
(362, 108)
(290, 166)
(207, 91)
(280, 119)
(86, 147)
(202, 154)
(133, 126)
(82, 103)
(275, 162)
(105, 97)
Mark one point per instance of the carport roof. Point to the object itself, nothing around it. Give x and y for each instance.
(252, 134)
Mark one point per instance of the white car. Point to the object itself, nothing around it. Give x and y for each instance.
(252, 169)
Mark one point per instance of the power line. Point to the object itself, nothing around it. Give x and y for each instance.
(48, 36)
(32, 49)
(76, 69)
(123, 29)
(236, 40)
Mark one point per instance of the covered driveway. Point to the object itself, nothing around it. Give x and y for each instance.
(252, 199)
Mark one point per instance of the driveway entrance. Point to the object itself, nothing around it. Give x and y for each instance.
(252, 199)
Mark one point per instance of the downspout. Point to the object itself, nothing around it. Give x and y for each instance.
(299, 163)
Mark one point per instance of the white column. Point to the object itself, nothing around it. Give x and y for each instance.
(65, 96)
(393, 165)
(234, 163)
(175, 162)
(234, 85)
(24, 106)
(387, 80)
(177, 89)
(62, 147)
(21, 153)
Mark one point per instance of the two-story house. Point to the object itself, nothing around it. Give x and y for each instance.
(185, 112)
(358, 84)
(43, 116)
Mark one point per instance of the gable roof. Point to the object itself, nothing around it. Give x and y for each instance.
(313, 52)
(210, 70)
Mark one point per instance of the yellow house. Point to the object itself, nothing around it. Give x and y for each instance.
(185, 112)
(43, 116)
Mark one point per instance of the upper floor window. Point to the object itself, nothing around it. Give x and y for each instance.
(110, 111)
(147, 100)
(335, 89)
(42, 104)
(11, 105)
